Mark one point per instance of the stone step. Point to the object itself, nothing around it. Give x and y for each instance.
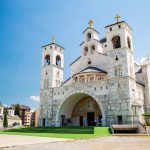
(148, 129)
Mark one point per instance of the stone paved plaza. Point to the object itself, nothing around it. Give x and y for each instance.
(103, 143)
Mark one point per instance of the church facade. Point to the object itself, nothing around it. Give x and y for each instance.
(105, 87)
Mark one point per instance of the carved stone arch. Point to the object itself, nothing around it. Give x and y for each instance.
(85, 92)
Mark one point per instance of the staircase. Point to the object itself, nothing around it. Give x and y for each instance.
(138, 128)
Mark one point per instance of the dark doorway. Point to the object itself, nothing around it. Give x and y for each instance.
(90, 118)
(43, 122)
(81, 120)
(120, 119)
(63, 120)
(100, 120)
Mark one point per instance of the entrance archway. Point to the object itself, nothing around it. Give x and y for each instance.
(81, 109)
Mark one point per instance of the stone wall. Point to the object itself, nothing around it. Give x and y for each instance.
(112, 100)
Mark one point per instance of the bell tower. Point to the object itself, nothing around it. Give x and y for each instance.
(120, 49)
(91, 44)
(52, 65)
(121, 72)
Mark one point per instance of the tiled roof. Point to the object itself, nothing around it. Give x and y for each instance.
(52, 44)
(91, 68)
(90, 28)
(103, 40)
(25, 107)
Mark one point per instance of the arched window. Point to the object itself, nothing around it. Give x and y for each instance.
(57, 73)
(88, 36)
(47, 60)
(92, 49)
(91, 79)
(120, 71)
(85, 51)
(116, 58)
(129, 42)
(58, 60)
(89, 62)
(116, 42)
(116, 72)
(76, 79)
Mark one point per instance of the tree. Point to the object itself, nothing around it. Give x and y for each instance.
(17, 110)
(5, 120)
(147, 119)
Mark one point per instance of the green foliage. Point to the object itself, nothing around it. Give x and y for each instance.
(147, 119)
(5, 120)
(61, 132)
(146, 124)
(146, 115)
(17, 110)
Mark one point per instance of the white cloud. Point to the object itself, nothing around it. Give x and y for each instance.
(5, 105)
(35, 98)
(142, 59)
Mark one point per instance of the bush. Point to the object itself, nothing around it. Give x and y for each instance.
(5, 120)
(147, 119)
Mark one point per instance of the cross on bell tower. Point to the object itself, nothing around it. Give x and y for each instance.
(117, 17)
(91, 22)
(53, 39)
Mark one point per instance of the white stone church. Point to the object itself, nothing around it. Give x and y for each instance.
(105, 87)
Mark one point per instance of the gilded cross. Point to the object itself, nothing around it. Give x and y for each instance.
(117, 17)
(53, 39)
(91, 23)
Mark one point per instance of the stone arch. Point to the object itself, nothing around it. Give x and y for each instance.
(93, 49)
(116, 41)
(58, 60)
(80, 94)
(89, 36)
(85, 51)
(47, 60)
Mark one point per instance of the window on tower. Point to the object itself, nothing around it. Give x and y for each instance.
(47, 60)
(116, 42)
(92, 49)
(58, 60)
(88, 36)
(129, 42)
(85, 51)
(116, 58)
(120, 71)
(116, 72)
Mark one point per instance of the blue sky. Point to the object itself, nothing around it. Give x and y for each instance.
(26, 25)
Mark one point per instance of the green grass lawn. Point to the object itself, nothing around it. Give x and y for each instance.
(61, 132)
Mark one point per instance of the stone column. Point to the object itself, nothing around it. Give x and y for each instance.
(78, 78)
(85, 79)
(94, 77)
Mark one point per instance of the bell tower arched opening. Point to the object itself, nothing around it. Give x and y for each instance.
(116, 41)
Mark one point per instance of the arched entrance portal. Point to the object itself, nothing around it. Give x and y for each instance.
(80, 109)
